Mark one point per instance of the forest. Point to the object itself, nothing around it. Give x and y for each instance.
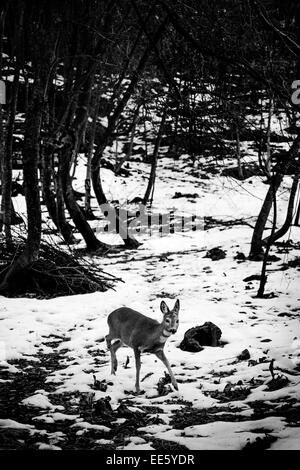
(150, 151)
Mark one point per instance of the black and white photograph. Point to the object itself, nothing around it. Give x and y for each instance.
(149, 228)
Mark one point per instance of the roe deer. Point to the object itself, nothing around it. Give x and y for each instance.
(142, 334)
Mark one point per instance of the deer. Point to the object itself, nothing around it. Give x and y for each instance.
(142, 334)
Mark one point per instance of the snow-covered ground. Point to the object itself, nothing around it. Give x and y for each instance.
(201, 415)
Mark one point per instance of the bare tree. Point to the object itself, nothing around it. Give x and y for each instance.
(129, 240)
(6, 202)
(151, 181)
(31, 154)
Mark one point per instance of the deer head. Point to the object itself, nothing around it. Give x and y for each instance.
(170, 320)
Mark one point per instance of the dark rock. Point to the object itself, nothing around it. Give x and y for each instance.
(207, 334)
(277, 383)
(244, 356)
(252, 363)
(294, 263)
(262, 360)
(103, 408)
(273, 258)
(215, 254)
(99, 385)
(261, 256)
(285, 314)
(190, 345)
(260, 443)
(240, 256)
(188, 195)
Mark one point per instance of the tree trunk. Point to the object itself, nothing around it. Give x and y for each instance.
(50, 202)
(289, 216)
(130, 242)
(238, 152)
(175, 147)
(121, 227)
(268, 143)
(41, 64)
(7, 160)
(70, 145)
(129, 153)
(6, 202)
(145, 133)
(2, 147)
(1, 159)
(87, 183)
(31, 180)
(256, 250)
(263, 277)
(64, 227)
(65, 156)
(297, 218)
(151, 180)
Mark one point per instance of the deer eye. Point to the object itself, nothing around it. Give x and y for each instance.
(167, 320)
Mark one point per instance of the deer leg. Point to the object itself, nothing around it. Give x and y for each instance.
(113, 349)
(161, 355)
(112, 355)
(137, 355)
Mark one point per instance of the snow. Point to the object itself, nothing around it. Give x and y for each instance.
(222, 435)
(104, 441)
(86, 426)
(43, 446)
(289, 439)
(171, 267)
(134, 446)
(137, 440)
(10, 423)
(40, 401)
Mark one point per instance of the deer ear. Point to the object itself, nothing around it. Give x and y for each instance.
(164, 308)
(176, 306)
